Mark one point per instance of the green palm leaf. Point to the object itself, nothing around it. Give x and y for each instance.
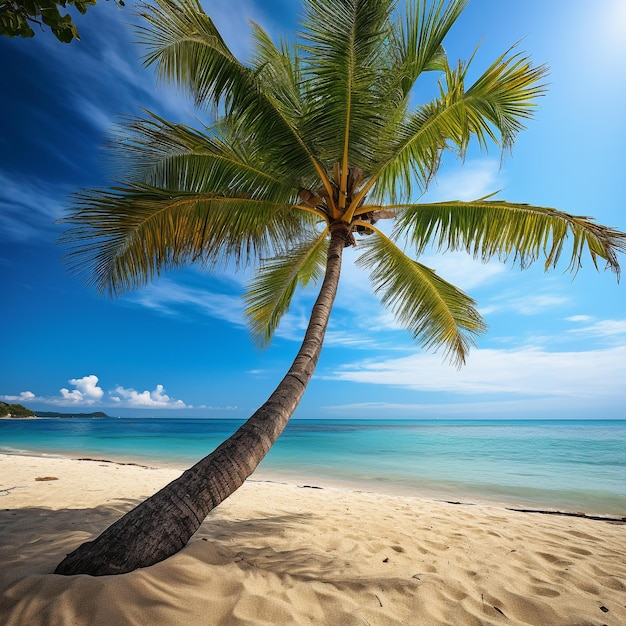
(500, 99)
(278, 69)
(491, 109)
(270, 293)
(175, 156)
(344, 61)
(435, 312)
(415, 46)
(488, 228)
(417, 39)
(121, 238)
(415, 158)
(188, 50)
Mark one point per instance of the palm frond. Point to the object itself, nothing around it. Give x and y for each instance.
(417, 39)
(409, 146)
(495, 105)
(255, 186)
(415, 157)
(188, 50)
(491, 109)
(123, 237)
(270, 292)
(489, 228)
(344, 58)
(435, 312)
(178, 157)
(278, 69)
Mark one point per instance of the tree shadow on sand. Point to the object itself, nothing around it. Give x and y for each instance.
(230, 563)
(33, 540)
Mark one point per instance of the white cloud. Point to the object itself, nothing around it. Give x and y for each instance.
(349, 339)
(146, 399)
(73, 395)
(24, 396)
(468, 181)
(521, 408)
(602, 328)
(166, 297)
(527, 304)
(462, 270)
(217, 408)
(528, 371)
(86, 392)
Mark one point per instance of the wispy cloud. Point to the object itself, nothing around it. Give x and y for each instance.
(579, 318)
(467, 181)
(526, 371)
(524, 304)
(171, 298)
(463, 271)
(350, 339)
(601, 328)
(28, 205)
(101, 117)
(522, 408)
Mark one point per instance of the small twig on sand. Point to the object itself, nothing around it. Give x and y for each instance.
(4, 491)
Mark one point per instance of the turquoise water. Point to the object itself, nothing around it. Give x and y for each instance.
(568, 465)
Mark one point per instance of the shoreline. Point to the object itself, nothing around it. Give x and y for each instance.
(279, 553)
(442, 493)
(513, 463)
(354, 488)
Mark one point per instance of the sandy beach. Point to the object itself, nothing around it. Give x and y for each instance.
(294, 554)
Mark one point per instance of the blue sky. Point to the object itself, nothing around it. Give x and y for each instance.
(556, 345)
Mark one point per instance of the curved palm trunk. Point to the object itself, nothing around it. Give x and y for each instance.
(163, 524)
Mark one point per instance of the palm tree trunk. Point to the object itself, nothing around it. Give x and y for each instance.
(163, 524)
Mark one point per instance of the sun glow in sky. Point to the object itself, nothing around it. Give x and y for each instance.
(610, 27)
(556, 345)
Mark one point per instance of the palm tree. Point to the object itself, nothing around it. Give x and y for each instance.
(312, 145)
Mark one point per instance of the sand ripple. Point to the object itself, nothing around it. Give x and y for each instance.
(280, 554)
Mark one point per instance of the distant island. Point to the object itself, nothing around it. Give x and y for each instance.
(55, 414)
(17, 410)
(14, 410)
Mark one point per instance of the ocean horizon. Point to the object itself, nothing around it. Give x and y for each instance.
(565, 465)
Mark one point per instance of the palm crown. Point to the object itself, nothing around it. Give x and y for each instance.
(314, 137)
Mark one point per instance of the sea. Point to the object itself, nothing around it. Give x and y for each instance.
(576, 466)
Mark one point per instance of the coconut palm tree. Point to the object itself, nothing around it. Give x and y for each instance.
(312, 145)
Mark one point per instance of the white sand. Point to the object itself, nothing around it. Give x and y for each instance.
(283, 554)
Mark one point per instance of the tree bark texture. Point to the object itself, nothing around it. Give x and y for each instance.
(163, 524)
